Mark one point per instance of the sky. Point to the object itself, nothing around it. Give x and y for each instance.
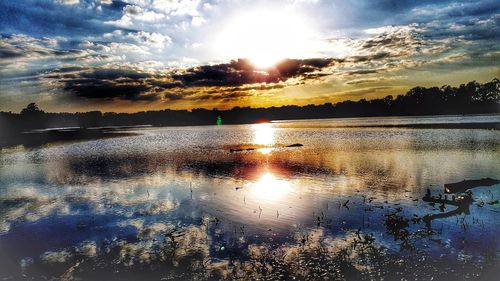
(137, 55)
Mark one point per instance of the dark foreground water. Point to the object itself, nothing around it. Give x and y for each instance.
(193, 203)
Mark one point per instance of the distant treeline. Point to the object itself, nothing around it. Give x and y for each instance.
(470, 98)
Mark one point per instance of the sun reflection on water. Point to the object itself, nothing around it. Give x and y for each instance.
(264, 135)
(269, 188)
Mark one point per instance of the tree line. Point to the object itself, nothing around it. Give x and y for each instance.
(470, 98)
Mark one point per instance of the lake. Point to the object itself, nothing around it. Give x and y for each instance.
(242, 201)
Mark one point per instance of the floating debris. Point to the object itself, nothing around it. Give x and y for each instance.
(295, 145)
(464, 185)
(462, 202)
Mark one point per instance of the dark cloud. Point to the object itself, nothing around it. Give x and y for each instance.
(92, 88)
(398, 12)
(366, 81)
(220, 96)
(6, 52)
(470, 29)
(125, 84)
(455, 10)
(112, 74)
(222, 81)
(241, 72)
(364, 91)
(394, 39)
(109, 47)
(392, 5)
(21, 47)
(173, 96)
(363, 71)
(48, 18)
(371, 57)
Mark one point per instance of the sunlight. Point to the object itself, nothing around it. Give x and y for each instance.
(267, 36)
(265, 150)
(268, 187)
(263, 134)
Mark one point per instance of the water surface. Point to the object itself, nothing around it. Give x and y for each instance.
(176, 203)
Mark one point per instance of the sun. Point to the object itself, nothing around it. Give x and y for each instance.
(266, 36)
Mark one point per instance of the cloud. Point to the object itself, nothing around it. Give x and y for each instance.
(297, 4)
(397, 48)
(177, 7)
(151, 39)
(21, 47)
(66, 19)
(363, 91)
(160, 15)
(386, 48)
(134, 16)
(240, 72)
(393, 41)
(455, 9)
(162, 38)
(68, 2)
(116, 48)
(470, 29)
(55, 257)
(221, 81)
(104, 83)
(363, 71)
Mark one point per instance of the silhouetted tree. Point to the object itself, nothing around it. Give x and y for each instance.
(31, 109)
(470, 98)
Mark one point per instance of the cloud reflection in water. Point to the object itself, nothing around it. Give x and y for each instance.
(148, 199)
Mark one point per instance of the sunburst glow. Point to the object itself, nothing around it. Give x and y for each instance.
(263, 134)
(270, 188)
(267, 36)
